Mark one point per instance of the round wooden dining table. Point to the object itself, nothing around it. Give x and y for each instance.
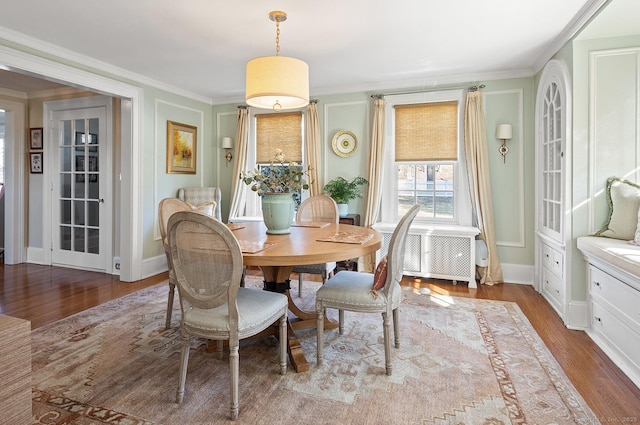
(276, 255)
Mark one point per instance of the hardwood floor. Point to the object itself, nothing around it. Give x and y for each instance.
(44, 294)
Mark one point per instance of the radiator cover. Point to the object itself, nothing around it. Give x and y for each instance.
(443, 252)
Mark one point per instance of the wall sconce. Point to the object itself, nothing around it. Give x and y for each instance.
(227, 144)
(504, 132)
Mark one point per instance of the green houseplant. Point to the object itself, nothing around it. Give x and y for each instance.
(277, 184)
(342, 191)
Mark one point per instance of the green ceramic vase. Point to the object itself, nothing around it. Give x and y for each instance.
(277, 212)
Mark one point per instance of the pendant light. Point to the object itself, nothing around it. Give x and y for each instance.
(277, 82)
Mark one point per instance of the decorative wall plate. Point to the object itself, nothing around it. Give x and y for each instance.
(344, 143)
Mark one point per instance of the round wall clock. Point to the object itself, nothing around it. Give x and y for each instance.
(344, 143)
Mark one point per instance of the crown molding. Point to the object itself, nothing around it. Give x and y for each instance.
(77, 59)
(582, 18)
(13, 93)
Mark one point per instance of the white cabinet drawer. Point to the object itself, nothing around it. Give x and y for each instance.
(618, 334)
(553, 260)
(620, 298)
(552, 288)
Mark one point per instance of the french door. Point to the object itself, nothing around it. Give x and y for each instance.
(80, 189)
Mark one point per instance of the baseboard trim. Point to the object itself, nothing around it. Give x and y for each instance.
(517, 273)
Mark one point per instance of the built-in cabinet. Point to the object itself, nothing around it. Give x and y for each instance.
(614, 309)
(552, 219)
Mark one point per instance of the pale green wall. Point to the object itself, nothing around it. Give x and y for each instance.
(159, 108)
(506, 101)
(512, 180)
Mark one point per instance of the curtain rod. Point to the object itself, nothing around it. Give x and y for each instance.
(474, 87)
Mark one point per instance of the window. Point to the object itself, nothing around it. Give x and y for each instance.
(270, 132)
(425, 158)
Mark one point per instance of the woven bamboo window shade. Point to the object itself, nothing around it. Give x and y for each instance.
(427, 131)
(279, 131)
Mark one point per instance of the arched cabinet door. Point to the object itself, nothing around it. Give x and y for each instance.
(553, 143)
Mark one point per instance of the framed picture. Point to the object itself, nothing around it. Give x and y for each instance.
(35, 141)
(36, 162)
(181, 148)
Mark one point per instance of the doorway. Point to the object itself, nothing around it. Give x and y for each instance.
(80, 143)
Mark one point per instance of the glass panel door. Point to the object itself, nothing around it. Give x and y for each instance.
(77, 190)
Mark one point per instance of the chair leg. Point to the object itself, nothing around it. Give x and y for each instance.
(172, 290)
(299, 284)
(184, 360)
(320, 333)
(283, 344)
(387, 342)
(234, 369)
(396, 327)
(340, 322)
(219, 348)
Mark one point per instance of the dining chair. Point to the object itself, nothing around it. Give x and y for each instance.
(369, 292)
(166, 208)
(207, 262)
(321, 209)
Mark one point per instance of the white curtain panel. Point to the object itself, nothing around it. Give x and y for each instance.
(239, 164)
(312, 149)
(480, 183)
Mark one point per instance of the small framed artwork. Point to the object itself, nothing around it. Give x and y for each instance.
(181, 148)
(36, 162)
(35, 140)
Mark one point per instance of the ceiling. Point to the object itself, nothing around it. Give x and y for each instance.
(201, 47)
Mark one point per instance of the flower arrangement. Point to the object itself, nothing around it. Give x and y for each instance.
(279, 177)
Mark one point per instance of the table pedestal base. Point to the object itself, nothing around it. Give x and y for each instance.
(276, 278)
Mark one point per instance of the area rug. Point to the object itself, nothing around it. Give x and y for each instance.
(461, 361)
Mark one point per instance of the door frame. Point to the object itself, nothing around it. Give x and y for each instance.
(132, 117)
(14, 168)
(49, 176)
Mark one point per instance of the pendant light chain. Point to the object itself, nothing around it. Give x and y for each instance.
(277, 36)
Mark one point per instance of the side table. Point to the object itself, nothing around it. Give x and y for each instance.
(354, 220)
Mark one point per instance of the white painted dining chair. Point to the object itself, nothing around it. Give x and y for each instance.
(321, 209)
(207, 262)
(369, 293)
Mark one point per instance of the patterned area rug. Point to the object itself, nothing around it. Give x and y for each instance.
(461, 361)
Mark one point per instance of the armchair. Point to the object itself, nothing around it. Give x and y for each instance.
(200, 195)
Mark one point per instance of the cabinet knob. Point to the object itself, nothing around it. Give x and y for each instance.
(598, 319)
(595, 282)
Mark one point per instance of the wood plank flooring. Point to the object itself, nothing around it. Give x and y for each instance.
(43, 294)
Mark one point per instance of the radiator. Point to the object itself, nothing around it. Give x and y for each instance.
(441, 253)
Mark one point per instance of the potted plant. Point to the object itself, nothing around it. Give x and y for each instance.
(276, 184)
(342, 191)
